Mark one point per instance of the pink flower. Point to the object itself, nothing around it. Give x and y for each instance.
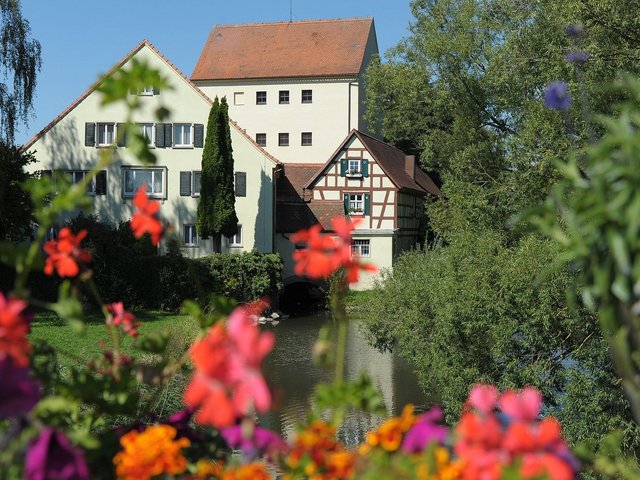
(52, 455)
(254, 441)
(120, 317)
(427, 429)
(483, 398)
(523, 406)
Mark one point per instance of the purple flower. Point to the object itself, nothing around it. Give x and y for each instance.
(254, 441)
(575, 30)
(577, 57)
(18, 392)
(52, 455)
(556, 96)
(426, 430)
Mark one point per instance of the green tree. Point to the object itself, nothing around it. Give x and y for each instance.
(20, 61)
(216, 209)
(16, 219)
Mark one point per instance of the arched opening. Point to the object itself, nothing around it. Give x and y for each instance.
(301, 296)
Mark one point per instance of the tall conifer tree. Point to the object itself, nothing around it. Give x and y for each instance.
(216, 210)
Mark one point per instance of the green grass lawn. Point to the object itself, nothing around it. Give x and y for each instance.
(47, 326)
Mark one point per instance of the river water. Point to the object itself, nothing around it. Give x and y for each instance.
(290, 369)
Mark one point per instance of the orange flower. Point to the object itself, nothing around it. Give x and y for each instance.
(145, 220)
(325, 254)
(207, 469)
(65, 253)
(341, 465)
(150, 453)
(252, 471)
(14, 328)
(390, 433)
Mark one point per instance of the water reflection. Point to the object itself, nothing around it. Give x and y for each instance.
(290, 369)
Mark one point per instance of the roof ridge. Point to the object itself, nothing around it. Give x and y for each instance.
(96, 84)
(319, 20)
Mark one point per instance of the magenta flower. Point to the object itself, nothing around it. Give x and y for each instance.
(254, 441)
(426, 430)
(52, 455)
(18, 392)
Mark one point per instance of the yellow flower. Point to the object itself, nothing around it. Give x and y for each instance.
(149, 453)
(206, 468)
(252, 471)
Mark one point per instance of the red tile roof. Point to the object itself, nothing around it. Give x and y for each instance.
(89, 90)
(295, 176)
(312, 48)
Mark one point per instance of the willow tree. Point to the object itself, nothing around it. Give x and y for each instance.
(20, 60)
(216, 210)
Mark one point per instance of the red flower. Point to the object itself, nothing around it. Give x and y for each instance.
(119, 316)
(65, 253)
(14, 328)
(145, 220)
(228, 382)
(325, 254)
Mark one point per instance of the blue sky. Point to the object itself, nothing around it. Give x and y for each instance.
(81, 40)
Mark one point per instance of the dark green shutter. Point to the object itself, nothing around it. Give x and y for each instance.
(121, 132)
(346, 203)
(198, 135)
(159, 135)
(365, 167)
(241, 184)
(156, 91)
(101, 182)
(168, 135)
(89, 134)
(185, 184)
(367, 204)
(343, 167)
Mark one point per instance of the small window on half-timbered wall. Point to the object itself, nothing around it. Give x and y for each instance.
(357, 203)
(354, 167)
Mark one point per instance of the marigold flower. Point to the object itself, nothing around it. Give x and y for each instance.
(252, 471)
(325, 254)
(64, 254)
(145, 220)
(118, 316)
(14, 328)
(155, 451)
(228, 382)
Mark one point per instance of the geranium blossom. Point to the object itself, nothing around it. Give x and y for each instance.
(325, 254)
(425, 430)
(64, 254)
(14, 328)
(150, 453)
(120, 317)
(228, 382)
(145, 219)
(51, 455)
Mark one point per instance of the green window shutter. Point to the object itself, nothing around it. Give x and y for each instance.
(101, 183)
(185, 184)
(365, 167)
(367, 204)
(89, 134)
(241, 184)
(121, 131)
(343, 167)
(346, 203)
(156, 91)
(159, 135)
(198, 135)
(168, 135)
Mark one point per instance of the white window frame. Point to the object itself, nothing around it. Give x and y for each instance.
(102, 130)
(281, 95)
(76, 176)
(150, 190)
(151, 139)
(189, 231)
(235, 240)
(354, 167)
(361, 247)
(147, 91)
(238, 98)
(302, 137)
(261, 101)
(356, 203)
(193, 183)
(265, 139)
(183, 128)
(310, 99)
(280, 142)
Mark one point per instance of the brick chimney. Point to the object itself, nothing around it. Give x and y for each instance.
(410, 165)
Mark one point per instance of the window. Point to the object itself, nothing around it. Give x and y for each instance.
(196, 184)
(146, 130)
(190, 236)
(283, 139)
(356, 203)
(76, 176)
(307, 139)
(147, 90)
(181, 134)
(283, 97)
(261, 98)
(261, 139)
(238, 98)
(361, 248)
(190, 183)
(354, 168)
(307, 96)
(154, 178)
(106, 134)
(240, 184)
(235, 240)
